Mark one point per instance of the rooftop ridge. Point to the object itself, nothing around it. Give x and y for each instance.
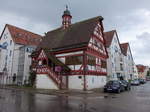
(22, 29)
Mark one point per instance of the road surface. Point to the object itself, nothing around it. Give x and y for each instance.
(137, 100)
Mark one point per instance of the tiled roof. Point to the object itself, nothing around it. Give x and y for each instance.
(77, 35)
(21, 36)
(124, 48)
(141, 68)
(109, 37)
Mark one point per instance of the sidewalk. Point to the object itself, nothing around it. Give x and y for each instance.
(80, 93)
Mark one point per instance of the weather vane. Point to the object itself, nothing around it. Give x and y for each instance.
(66, 7)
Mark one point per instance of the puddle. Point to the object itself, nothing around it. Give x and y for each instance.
(109, 97)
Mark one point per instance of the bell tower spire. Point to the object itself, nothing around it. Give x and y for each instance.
(66, 18)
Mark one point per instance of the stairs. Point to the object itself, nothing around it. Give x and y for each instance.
(57, 79)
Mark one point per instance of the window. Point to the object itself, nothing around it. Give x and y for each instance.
(116, 49)
(5, 36)
(6, 57)
(103, 64)
(91, 60)
(10, 42)
(95, 43)
(40, 62)
(10, 52)
(121, 67)
(92, 79)
(74, 60)
(80, 77)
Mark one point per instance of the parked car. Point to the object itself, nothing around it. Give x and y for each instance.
(114, 86)
(126, 84)
(148, 78)
(142, 81)
(135, 82)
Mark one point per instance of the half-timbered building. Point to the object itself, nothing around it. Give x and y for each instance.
(72, 56)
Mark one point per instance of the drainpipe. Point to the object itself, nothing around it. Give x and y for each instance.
(84, 71)
(12, 59)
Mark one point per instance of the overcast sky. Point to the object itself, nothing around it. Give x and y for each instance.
(131, 18)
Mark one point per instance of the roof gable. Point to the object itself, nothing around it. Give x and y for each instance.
(21, 36)
(109, 37)
(124, 48)
(47, 54)
(141, 68)
(77, 34)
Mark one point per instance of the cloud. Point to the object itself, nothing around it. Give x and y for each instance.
(23, 22)
(141, 48)
(129, 17)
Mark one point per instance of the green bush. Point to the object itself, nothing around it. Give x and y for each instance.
(32, 79)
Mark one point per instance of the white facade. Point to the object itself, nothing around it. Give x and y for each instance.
(114, 62)
(135, 75)
(44, 82)
(128, 65)
(10, 53)
(74, 81)
(6, 58)
(77, 82)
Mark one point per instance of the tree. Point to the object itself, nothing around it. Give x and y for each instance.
(32, 78)
(148, 73)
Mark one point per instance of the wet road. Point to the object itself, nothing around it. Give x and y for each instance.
(137, 100)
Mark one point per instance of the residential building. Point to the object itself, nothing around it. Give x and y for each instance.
(142, 71)
(16, 45)
(72, 56)
(128, 61)
(115, 66)
(135, 75)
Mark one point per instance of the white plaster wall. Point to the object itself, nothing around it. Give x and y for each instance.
(62, 60)
(128, 64)
(72, 53)
(75, 82)
(113, 62)
(15, 59)
(95, 81)
(10, 47)
(44, 82)
(2, 59)
(27, 64)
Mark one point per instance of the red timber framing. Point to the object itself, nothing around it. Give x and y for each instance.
(43, 68)
(70, 50)
(87, 50)
(81, 71)
(84, 70)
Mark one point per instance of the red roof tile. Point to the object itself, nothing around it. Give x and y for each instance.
(21, 36)
(124, 48)
(77, 35)
(141, 68)
(108, 37)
